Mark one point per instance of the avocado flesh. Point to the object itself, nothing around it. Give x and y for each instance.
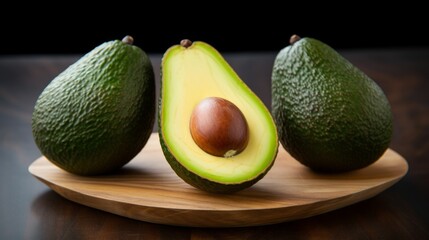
(330, 115)
(97, 114)
(188, 76)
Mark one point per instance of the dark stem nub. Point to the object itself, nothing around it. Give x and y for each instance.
(128, 40)
(186, 43)
(294, 38)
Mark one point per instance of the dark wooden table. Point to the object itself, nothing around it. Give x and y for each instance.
(30, 210)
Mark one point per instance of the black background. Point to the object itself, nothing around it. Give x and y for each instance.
(76, 29)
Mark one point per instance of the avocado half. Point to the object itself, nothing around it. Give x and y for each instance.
(191, 72)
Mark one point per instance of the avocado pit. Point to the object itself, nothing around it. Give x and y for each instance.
(218, 127)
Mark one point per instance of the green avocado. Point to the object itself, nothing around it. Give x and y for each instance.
(195, 74)
(95, 116)
(330, 115)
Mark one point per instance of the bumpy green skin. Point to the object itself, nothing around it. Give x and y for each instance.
(330, 116)
(98, 114)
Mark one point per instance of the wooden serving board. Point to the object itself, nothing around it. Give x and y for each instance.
(147, 189)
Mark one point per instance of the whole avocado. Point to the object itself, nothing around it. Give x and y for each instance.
(330, 115)
(95, 116)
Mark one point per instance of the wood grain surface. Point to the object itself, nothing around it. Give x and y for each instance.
(147, 189)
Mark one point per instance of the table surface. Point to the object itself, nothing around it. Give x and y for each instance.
(30, 210)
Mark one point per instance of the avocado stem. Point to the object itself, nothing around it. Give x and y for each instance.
(128, 40)
(294, 38)
(186, 43)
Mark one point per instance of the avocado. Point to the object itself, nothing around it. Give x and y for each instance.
(96, 115)
(215, 133)
(329, 114)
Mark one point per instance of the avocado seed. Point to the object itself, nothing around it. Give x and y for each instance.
(218, 127)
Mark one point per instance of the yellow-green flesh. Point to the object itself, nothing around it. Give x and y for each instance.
(198, 72)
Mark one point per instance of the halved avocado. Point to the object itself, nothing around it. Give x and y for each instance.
(192, 72)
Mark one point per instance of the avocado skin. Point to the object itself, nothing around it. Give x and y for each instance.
(94, 117)
(330, 116)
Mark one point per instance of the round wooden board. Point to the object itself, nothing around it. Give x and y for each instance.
(147, 189)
